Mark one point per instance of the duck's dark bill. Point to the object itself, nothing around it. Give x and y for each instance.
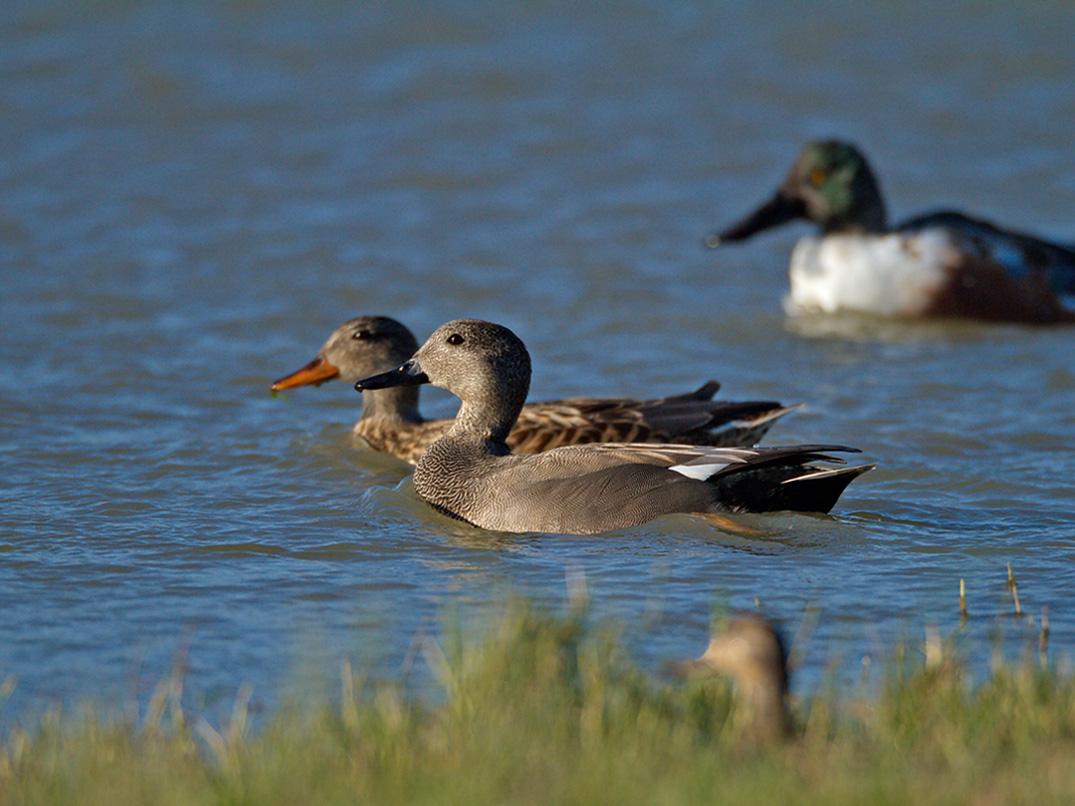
(780, 209)
(409, 374)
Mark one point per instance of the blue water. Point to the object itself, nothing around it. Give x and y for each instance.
(193, 194)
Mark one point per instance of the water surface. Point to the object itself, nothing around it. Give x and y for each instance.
(192, 195)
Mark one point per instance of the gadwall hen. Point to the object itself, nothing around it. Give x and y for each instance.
(750, 651)
(471, 474)
(938, 264)
(391, 422)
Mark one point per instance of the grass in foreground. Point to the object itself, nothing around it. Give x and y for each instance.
(542, 711)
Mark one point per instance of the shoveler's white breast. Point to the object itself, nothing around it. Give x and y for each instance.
(897, 274)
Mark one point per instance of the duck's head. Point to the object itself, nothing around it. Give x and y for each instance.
(749, 649)
(355, 349)
(831, 184)
(483, 364)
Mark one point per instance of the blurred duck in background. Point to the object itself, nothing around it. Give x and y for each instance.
(942, 264)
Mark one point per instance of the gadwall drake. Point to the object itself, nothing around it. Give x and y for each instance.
(938, 264)
(391, 422)
(750, 651)
(471, 473)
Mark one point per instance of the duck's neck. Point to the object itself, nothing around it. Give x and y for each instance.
(398, 404)
(766, 704)
(863, 209)
(491, 422)
(867, 220)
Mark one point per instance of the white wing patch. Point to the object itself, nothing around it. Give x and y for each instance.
(704, 466)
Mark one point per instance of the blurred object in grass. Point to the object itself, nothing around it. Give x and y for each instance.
(547, 709)
(750, 651)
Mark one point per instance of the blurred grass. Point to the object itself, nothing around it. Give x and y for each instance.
(544, 710)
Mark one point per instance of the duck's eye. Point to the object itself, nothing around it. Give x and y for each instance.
(817, 177)
(359, 335)
(455, 338)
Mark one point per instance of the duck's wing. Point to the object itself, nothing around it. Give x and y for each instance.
(705, 462)
(1018, 252)
(799, 477)
(692, 417)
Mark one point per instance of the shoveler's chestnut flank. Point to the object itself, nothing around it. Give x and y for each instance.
(391, 422)
(471, 474)
(939, 264)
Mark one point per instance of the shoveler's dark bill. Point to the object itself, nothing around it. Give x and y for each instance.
(316, 372)
(780, 209)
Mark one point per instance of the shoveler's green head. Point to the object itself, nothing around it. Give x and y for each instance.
(830, 184)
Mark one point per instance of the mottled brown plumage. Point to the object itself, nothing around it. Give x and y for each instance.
(391, 422)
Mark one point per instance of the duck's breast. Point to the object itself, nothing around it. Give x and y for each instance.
(895, 274)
